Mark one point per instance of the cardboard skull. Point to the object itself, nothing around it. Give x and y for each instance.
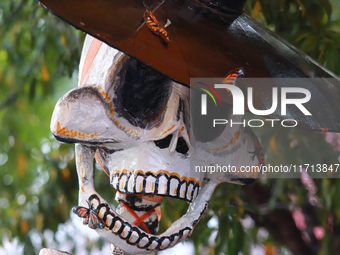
(136, 122)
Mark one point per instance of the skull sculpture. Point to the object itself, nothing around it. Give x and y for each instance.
(135, 122)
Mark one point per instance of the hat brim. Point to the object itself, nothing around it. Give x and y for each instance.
(204, 43)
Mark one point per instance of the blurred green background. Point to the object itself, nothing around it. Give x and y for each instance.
(39, 57)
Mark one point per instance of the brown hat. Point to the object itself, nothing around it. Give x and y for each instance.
(186, 39)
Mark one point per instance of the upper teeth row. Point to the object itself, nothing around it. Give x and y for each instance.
(161, 185)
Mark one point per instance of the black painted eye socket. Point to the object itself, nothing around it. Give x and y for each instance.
(164, 143)
(182, 146)
(142, 94)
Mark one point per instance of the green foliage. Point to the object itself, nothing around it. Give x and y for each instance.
(38, 184)
(36, 174)
(312, 26)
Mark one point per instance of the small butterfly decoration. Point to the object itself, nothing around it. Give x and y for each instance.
(154, 26)
(90, 215)
(232, 76)
(258, 152)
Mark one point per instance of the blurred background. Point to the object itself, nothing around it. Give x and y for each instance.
(39, 57)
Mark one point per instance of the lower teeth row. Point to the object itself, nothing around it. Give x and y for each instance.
(133, 236)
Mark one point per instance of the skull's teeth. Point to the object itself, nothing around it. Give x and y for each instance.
(190, 191)
(131, 184)
(102, 212)
(175, 239)
(153, 245)
(122, 184)
(126, 232)
(135, 236)
(109, 221)
(149, 183)
(139, 184)
(117, 226)
(114, 182)
(185, 235)
(173, 187)
(162, 185)
(143, 242)
(165, 243)
(182, 190)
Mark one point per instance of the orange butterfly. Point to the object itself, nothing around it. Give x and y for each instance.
(90, 216)
(232, 76)
(154, 25)
(324, 130)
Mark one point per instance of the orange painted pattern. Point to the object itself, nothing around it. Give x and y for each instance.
(121, 58)
(74, 134)
(139, 220)
(232, 141)
(100, 164)
(182, 129)
(91, 54)
(107, 99)
(112, 114)
(168, 130)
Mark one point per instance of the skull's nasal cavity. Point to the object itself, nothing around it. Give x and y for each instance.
(181, 146)
(142, 94)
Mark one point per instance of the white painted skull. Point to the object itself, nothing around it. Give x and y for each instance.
(136, 123)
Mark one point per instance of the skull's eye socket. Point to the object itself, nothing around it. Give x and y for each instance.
(142, 94)
(164, 143)
(182, 146)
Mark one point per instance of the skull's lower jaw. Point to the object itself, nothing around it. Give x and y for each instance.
(119, 231)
